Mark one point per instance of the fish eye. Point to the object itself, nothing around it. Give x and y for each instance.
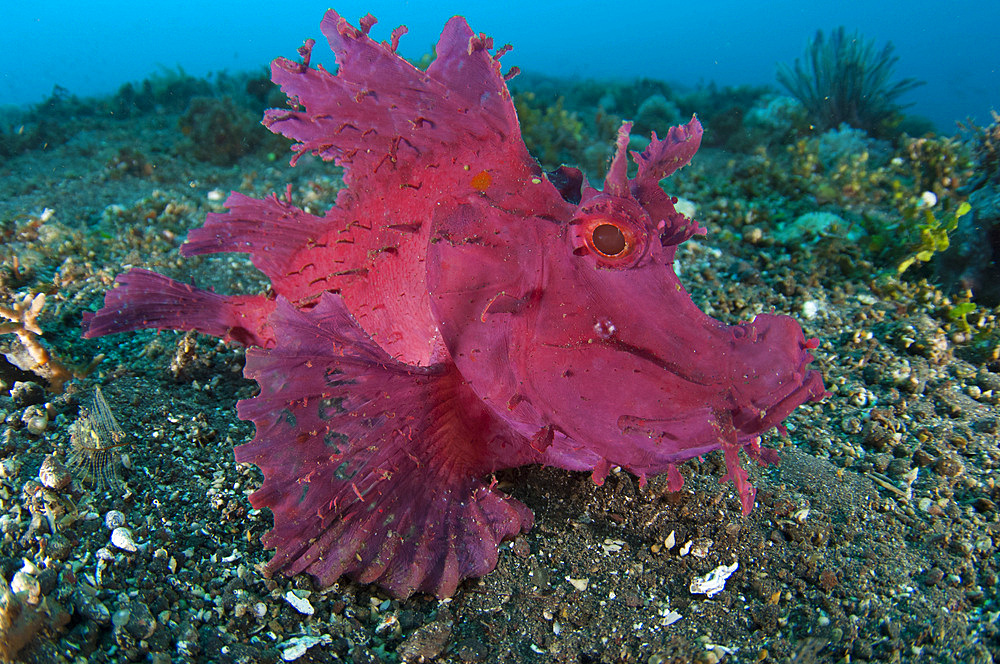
(608, 240)
(613, 232)
(611, 241)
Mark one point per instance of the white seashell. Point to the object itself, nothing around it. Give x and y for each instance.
(300, 604)
(296, 647)
(714, 582)
(114, 519)
(122, 538)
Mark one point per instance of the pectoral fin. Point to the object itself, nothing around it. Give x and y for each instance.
(373, 468)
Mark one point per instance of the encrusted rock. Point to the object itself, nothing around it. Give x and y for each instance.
(35, 420)
(27, 584)
(90, 607)
(948, 465)
(53, 474)
(58, 547)
(426, 643)
(27, 393)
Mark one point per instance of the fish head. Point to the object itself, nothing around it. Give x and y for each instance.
(574, 326)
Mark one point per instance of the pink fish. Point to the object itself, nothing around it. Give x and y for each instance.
(457, 312)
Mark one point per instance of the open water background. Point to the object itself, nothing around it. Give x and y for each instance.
(91, 48)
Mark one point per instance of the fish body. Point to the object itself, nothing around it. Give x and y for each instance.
(458, 312)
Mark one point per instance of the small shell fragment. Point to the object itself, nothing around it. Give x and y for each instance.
(670, 618)
(715, 581)
(300, 604)
(122, 538)
(296, 647)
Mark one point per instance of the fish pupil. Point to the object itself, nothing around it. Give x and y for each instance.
(609, 240)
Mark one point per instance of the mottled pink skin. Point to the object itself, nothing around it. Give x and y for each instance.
(452, 316)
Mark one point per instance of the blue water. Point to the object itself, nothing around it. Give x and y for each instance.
(94, 47)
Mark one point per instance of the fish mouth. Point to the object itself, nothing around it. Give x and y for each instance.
(615, 343)
(647, 355)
